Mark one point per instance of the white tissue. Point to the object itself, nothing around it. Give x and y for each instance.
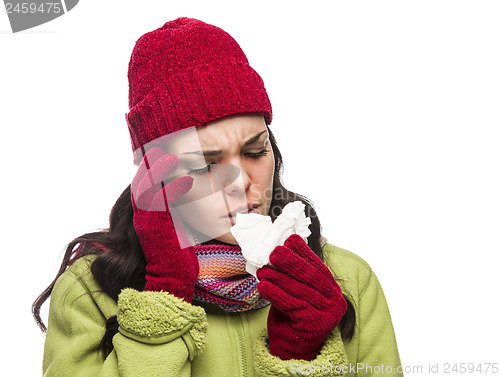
(257, 235)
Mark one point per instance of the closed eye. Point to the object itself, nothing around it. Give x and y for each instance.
(203, 170)
(259, 154)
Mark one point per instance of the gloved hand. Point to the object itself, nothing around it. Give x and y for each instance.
(169, 268)
(306, 301)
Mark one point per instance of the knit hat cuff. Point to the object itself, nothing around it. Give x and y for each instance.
(196, 97)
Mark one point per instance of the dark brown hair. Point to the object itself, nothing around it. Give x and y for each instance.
(121, 262)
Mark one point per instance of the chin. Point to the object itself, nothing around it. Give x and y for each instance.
(227, 238)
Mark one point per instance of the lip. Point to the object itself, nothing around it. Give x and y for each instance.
(249, 208)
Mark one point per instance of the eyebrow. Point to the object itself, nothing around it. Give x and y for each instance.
(216, 152)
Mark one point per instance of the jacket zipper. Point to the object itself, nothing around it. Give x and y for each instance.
(240, 337)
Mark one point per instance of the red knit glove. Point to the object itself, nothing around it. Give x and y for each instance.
(169, 268)
(306, 301)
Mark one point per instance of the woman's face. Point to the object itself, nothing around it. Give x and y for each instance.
(232, 164)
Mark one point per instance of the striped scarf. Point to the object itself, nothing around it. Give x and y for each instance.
(223, 280)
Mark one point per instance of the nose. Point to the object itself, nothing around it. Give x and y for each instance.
(241, 184)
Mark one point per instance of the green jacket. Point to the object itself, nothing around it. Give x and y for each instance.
(161, 335)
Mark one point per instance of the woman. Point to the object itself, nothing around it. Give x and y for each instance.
(164, 290)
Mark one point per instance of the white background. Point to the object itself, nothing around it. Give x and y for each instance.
(387, 113)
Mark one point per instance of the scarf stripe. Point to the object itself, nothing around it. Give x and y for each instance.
(223, 280)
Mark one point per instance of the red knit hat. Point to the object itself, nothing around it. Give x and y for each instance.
(188, 73)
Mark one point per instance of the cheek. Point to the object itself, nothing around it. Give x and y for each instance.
(203, 215)
(265, 171)
(262, 174)
(201, 202)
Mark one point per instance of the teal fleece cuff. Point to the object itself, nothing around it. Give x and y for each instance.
(331, 360)
(160, 317)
